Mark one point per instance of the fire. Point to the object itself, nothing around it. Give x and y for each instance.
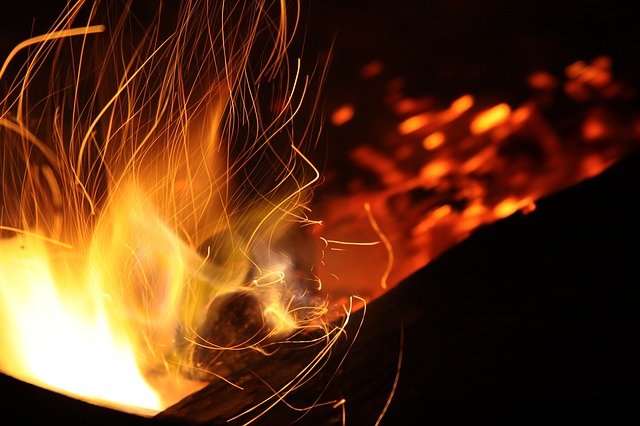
(64, 342)
(144, 189)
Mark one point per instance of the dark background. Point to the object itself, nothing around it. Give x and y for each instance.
(457, 45)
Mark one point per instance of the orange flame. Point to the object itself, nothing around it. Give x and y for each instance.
(127, 218)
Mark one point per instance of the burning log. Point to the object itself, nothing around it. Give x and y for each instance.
(530, 317)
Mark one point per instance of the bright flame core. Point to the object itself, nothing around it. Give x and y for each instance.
(64, 342)
(127, 211)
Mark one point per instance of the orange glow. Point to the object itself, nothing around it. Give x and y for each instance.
(477, 165)
(420, 121)
(478, 160)
(456, 109)
(414, 123)
(475, 209)
(431, 220)
(372, 69)
(490, 119)
(521, 115)
(576, 69)
(591, 80)
(542, 80)
(406, 106)
(593, 129)
(342, 115)
(433, 141)
(511, 205)
(597, 73)
(472, 217)
(435, 170)
(461, 105)
(593, 165)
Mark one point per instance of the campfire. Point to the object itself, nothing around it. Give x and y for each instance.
(174, 228)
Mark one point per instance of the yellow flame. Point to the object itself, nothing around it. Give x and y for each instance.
(66, 343)
(126, 202)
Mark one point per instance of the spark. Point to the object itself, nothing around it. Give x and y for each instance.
(395, 379)
(349, 243)
(37, 236)
(385, 241)
(54, 35)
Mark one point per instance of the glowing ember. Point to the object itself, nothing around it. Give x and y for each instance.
(433, 141)
(490, 119)
(444, 168)
(372, 69)
(342, 115)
